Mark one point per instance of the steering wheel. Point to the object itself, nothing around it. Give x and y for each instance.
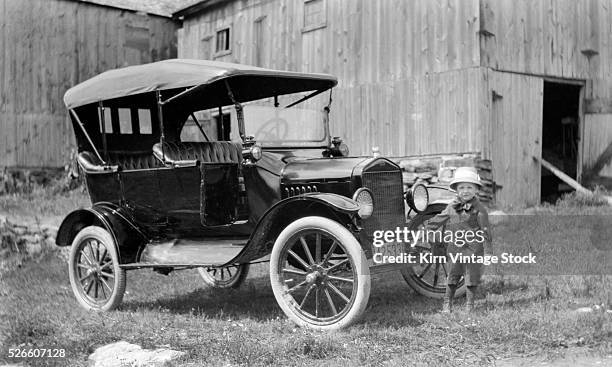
(273, 129)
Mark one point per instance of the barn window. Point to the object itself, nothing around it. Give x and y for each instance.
(315, 15)
(223, 42)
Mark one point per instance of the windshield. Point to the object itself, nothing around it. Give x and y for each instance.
(269, 120)
(278, 126)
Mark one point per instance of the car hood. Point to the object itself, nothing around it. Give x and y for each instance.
(320, 169)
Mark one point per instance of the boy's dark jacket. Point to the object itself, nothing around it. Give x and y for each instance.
(468, 216)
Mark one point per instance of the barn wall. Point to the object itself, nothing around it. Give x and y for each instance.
(364, 41)
(421, 115)
(565, 39)
(403, 66)
(597, 137)
(548, 37)
(49, 46)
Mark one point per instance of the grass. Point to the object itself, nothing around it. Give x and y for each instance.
(518, 316)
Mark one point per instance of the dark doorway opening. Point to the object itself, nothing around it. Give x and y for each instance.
(560, 136)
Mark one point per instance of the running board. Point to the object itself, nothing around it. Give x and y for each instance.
(189, 253)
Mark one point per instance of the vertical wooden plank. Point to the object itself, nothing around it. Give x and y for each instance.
(3, 56)
(517, 115)
(597, 137)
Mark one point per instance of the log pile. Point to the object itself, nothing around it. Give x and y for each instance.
(439, 169)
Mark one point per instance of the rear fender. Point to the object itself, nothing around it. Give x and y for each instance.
(336, 207)
(128, 238)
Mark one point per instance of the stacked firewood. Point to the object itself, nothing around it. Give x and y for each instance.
(439, 170)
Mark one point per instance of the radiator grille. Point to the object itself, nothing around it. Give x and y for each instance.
(387, 189)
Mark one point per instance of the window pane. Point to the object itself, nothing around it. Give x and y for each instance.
(125, 121)
(108, 124)
(314, 13)
(223, 40)
(144, 118)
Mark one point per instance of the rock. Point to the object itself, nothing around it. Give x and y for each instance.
(590, 309)
(31, 239)
(123, 353)
(584, 310)
(19, 231)
(50, 242)
(33, 248)
(49, 228)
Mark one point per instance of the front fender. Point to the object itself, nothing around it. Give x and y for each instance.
(128, 238)
(338, 202)
(432, 210)
(280, 215)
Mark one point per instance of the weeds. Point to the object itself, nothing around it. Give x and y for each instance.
(578, 199)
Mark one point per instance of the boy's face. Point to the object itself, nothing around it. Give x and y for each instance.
(466, 191)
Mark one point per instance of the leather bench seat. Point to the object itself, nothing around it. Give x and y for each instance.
(205, 152)
(125, 161)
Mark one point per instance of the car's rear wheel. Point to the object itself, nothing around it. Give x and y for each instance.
(96, 279)
(319, 274)
(225, 277)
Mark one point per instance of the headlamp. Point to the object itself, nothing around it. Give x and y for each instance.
(418, 198)
(365, 200)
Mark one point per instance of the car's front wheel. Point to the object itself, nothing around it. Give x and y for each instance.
(96, 279)
(319, 274)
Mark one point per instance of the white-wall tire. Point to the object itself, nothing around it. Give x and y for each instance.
(96, 279)
(328, 287)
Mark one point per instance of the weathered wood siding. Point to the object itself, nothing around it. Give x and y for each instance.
(48, 46)
(562, 38)
(516, 136)
(364, 41)
(396, 62)
(597, 137)
(421, 115)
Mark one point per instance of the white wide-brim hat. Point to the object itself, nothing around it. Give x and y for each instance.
(465, 174)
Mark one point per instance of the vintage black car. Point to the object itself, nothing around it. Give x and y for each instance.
(210, 165)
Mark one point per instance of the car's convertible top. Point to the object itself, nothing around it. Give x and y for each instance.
(248, 82)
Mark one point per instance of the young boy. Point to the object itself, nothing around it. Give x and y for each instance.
(463, 215)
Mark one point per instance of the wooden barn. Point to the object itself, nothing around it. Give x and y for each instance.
(507, 80)
(47, 46)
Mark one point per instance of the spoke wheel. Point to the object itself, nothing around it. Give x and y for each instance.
(429, 279)
(319, 274)
(96, 279)
(227, 277)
